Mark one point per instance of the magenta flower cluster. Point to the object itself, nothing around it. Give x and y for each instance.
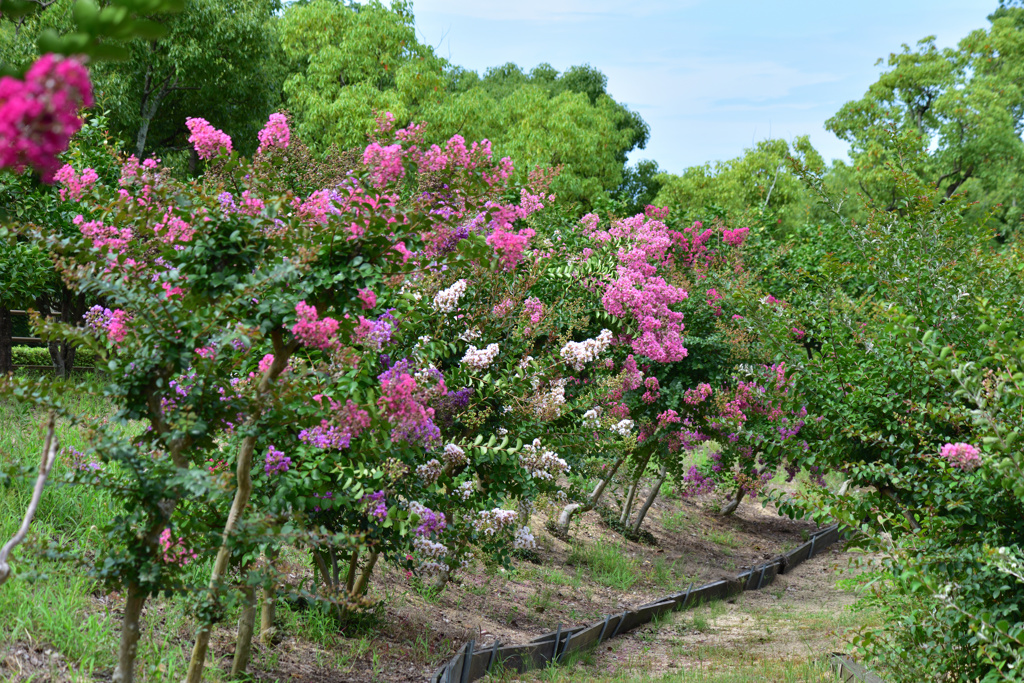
(275, 134)
(962, 455)
(39, 115)
(75, 185)
(207, 140)
(312, 331)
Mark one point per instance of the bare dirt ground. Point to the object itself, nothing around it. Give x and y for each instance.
(414, 632)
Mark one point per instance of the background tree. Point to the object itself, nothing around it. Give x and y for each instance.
(957, 113)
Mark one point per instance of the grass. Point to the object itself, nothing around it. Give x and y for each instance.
(676, 522)
(609, 564)
(726, 540)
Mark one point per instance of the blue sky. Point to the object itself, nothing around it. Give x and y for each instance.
(710, 78)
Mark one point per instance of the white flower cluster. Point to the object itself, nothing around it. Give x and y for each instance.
(592, 418)
(465, 490)
(579, 353)
(548, 405)
(494, 521)
(470, 334)
(524, 540)
(542, 463)
(454, 456)
(480, 358)
(446, 300)
(433, 552)
(623, 427)
(428, 548)
(525, 363)
(430, 471)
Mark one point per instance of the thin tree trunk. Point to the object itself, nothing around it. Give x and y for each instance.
(570, 510)
(6, 342)
(269, 607)
(627, 506)
(731, 506)
(243, 484)
(363, 582)
(130, 632)
(246, 623)
(650, 499)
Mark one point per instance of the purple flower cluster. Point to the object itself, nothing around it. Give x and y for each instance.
(276, 461)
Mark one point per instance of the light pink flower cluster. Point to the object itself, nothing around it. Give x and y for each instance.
(480, 359)
(534, 308)
(75, 185)
(962, 455)
(385, 163)
(275, 134)
(207, 140)
(311, 331)
(39, 115)
(491, 522)
(735, 237)
(641, 293)
(510, 245)
(697, 395)
(577, 354)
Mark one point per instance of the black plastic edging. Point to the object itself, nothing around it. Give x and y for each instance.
(536, 651)
(848, 670)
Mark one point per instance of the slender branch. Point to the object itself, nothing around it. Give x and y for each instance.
(49, 456)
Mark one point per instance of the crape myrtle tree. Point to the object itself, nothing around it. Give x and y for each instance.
(228, 307)
(916, 389)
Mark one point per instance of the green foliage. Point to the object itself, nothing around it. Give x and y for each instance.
(741, 190)
(350, 65)
(956, 114)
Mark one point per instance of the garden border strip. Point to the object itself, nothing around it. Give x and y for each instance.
(469, 665)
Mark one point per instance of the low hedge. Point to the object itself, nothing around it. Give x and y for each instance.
(38, 355)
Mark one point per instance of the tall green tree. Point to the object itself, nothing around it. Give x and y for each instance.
(217, 59)
(955, 113)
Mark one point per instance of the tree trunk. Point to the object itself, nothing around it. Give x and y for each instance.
(267, 615)
(570, 510)
(731, 506)
(6, 343)
(243, 489)
(269, 607)
(131, 629)
(246, 623)
(627, 506)
(650, 500)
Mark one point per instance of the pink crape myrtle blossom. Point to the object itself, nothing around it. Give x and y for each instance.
(74, 185)
(962, 455)
(117, 325)
(735, 237)
(385, 163)
(174, 551)
(275, 134)
(103, 236)
(368, 298)
(403, 402)
(39, 115)
(207, 140)
(311, 331)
